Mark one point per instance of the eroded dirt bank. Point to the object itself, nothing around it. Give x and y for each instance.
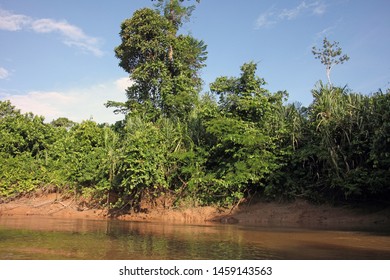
(299, 213)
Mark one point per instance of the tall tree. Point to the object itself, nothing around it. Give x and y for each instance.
(164, 66)
(330, 55)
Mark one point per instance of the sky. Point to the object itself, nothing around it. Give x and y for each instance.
(57, 57)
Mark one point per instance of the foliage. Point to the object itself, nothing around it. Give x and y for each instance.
(163, 66)
(63, 122)
(141, 165)
(247, 132)
(174, 11)
(22, 133)
(19, 174)
(337, 149)
(336, 158)
(37, 154)
(214, 148)
(24, 139)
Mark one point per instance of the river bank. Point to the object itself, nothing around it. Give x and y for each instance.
(294, 214)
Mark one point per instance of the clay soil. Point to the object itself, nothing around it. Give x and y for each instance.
(294, 214)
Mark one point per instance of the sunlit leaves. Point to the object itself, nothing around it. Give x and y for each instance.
(246, 130)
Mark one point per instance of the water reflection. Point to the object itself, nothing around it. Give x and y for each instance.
(48, 238)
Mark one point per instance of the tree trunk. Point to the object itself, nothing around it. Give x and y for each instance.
(172, 18)
(328, 75)
(170, 53)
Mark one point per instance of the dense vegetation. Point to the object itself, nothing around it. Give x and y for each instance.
(201, 149)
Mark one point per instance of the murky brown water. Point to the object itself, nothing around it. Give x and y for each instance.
(49, 238)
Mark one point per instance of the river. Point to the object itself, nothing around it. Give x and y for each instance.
(45, 238)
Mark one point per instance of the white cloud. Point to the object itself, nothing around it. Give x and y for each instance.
(76, 104)
(316, 8)
(3, 73)
(264, 20)
(12, 22)
(72, 35)
(290, 14)
(272, 17)
(319, 9)
(40, 103)
(123, 83)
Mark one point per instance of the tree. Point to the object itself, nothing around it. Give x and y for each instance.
(22, 133)
(83, 149)
(143, 54)
(176, 14)
(63, 122)
(247, 134)
(8, 110)
(164, 67)
(330, 56)
(174, 11)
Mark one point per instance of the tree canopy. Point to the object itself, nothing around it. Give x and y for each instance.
(163, 66)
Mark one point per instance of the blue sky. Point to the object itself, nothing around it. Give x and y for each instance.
(57, 57)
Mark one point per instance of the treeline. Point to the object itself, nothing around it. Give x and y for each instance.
(337, 149)
(237, 141)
